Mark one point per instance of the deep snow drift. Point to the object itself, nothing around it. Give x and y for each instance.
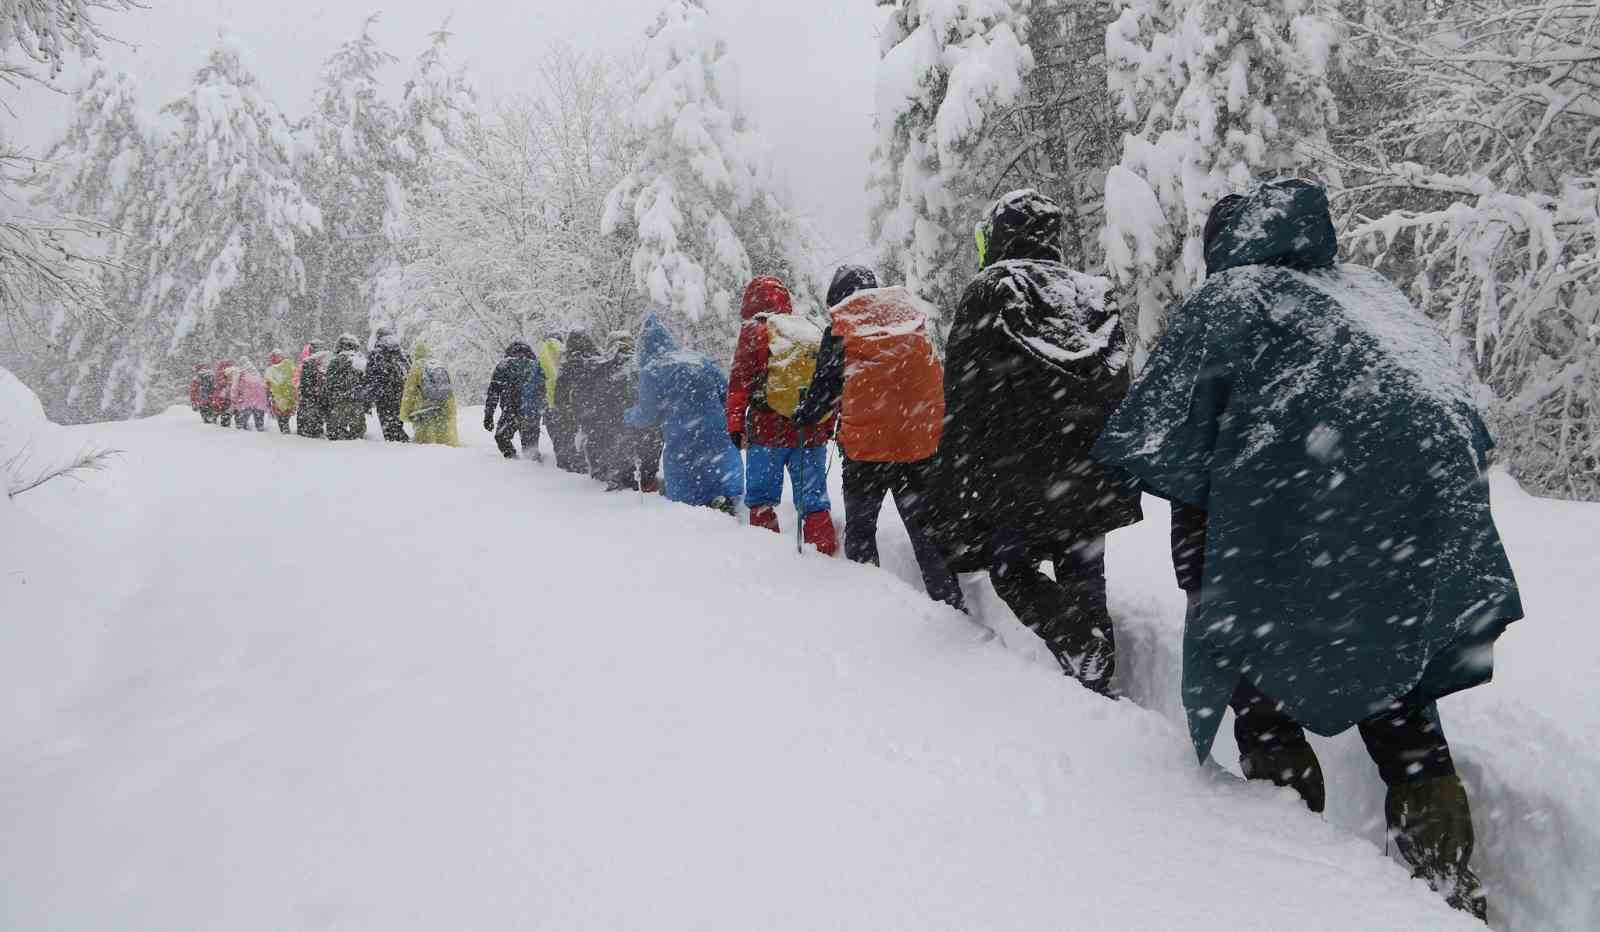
(261, 682)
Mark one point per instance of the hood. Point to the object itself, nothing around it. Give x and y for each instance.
(225, 364)
(312, 346)
(655, 340)
(848, 280)
(420, 351)
(386, 339)
(249, 368)
(765, 295)
(519, 349)
(274, 357)
(348, 342)
(1022, 225)
(1279, 223)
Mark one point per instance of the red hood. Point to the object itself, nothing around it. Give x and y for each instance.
(274, 358)
(224, 364)
(765, 295)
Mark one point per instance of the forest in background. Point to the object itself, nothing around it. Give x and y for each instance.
(1458, 141)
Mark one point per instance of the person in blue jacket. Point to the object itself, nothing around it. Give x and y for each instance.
(682, 393)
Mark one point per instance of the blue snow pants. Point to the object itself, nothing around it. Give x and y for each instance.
(808, 476)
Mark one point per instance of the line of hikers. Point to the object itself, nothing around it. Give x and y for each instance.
(1313, 433)
(327, 393)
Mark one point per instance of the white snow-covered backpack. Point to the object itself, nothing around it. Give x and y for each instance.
(436, 387)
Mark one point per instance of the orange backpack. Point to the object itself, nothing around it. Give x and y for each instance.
(893, 405)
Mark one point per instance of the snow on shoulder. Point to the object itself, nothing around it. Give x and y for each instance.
(1069, 323)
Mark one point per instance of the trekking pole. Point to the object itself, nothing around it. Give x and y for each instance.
(799, 482)
(638, 477)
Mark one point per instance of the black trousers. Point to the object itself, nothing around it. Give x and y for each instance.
(1068, 612)
(311, 420)
(563, 433)
(394, 430)
(1406, 741)
(225, 417)
(347, 421)
(247, 416)
(508, 430)
(865, 485)
(283, 423)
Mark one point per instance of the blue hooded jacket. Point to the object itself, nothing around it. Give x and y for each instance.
(683, 393)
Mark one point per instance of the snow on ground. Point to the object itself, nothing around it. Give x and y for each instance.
(260, 682)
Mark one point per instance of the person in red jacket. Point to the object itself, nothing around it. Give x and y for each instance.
(200, 388)
(222, 394)
(772, 441)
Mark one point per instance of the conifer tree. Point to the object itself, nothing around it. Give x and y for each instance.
(948, 68)
(1216, 94)
(701, 201)
(219, 263)
(100, 172)
(349, 169)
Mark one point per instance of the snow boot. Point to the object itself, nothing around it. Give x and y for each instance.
(1293, 764)
(765, 516)
(820, 534)
(1431, 823)
(723, 504)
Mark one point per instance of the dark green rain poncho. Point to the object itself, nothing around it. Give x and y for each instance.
(1326, 429)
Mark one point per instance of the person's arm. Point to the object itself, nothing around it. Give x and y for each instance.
(1188, 546)
(749, 361)
(827, 385)
(646, 411)
(533, 399)
(409, 393)
(491, 398)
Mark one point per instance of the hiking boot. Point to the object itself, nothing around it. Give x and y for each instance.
(1088, 656)
(723, 504)
(817, 530)
(1431, 823)
(1293, 764)
(764, 516)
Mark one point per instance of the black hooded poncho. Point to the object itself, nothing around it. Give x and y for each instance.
(1328, 432)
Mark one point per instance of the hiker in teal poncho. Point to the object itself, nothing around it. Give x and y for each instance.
(1331, 516)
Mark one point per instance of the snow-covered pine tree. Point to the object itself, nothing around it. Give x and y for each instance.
(1216, 94)
(349, 168)
(437, 112)
(99, 171)
(948, 70)
(219, 262)
(701, 200)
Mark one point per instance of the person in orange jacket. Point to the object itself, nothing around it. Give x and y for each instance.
(879, 374)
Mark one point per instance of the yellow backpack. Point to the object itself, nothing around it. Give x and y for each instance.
(792, 346)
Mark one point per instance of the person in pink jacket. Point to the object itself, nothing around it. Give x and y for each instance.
(249, 396)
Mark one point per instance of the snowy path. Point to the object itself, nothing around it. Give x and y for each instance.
(292, 685)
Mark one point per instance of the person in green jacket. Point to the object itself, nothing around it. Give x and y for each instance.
(428, 400)
(561, 425)
(281, 388)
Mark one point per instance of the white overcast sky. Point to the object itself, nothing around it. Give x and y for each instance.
(806, 66)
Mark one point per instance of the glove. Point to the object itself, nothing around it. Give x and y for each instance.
(737, 438)
(488, 422)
